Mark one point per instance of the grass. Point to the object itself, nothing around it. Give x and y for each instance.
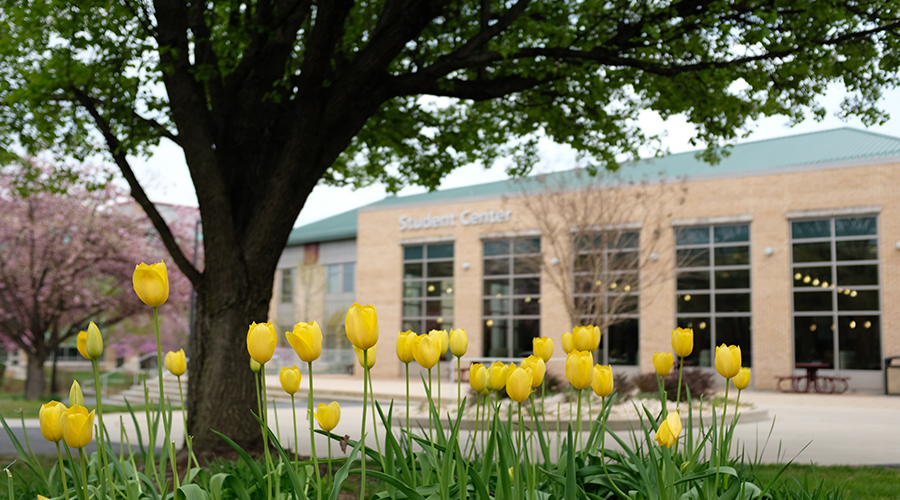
(863, 482)
(10, 408)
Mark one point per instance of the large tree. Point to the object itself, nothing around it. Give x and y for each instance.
(269, 97)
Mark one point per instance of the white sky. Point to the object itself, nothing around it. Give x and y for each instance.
(166, 179)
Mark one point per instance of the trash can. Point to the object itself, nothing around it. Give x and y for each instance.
(892, 375)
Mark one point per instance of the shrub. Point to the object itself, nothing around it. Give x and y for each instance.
(699, 381)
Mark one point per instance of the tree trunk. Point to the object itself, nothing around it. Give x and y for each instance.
(221, 393)
(34, 375)
(54, 383)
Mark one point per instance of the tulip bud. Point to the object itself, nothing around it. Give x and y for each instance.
(51, 425)
(369, 356)
(443, 340)
(478, 377)
(261, 341)
(75, 395)
(538, 369)
(459, 342)
(728, 360)
(151, 283)
(426, 351)
(683, 341)
(669, 430)
(568, 344)
(176, 362)
(94, 343)
(497, 375)
(77, 426)
(543, 347)
(328, 415)
(361, 324)
(662, 362)
(579, 369)
(602, 383)
(742, 379)
(306, 339)
(81, 344)
(518, 383)
(290, 379)
(405, 342)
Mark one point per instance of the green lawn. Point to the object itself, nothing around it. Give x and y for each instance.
(12, 405)
(865, 483)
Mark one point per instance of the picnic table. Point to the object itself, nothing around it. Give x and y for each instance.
(813, 381)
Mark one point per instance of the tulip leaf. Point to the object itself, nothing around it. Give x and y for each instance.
(38, 471)
(393, 481)
(341, 475)
(137, 427)
(191, 492)
(254, 468)
(570, 467)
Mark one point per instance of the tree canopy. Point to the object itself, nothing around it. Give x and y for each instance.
(269, 97)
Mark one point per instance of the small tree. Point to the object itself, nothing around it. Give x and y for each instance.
(67, 255)
(593, 227)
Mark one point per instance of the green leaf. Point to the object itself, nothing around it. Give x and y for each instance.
(191, 492)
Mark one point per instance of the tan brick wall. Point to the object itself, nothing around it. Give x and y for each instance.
(765, 198)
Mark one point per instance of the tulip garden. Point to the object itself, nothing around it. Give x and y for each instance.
(669, 455)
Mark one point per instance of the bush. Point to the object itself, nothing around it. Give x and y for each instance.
(699, 381)
(624, 385)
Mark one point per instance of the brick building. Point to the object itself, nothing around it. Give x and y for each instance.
(789, 247)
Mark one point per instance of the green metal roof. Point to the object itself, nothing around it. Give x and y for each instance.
(796, 151)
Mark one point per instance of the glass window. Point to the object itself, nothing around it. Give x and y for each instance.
(349, 277)
(607, 291)
(287, 285)
(837, 297)
(512, 296)
(428, 287)
(713, 295)
(332, 278)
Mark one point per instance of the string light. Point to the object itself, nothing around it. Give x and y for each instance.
(687, 298)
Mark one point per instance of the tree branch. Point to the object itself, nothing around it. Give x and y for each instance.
(137, 192)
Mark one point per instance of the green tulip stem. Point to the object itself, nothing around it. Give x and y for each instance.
(375, 427)
(277, 425)
(84, 481)
(533, 480)
(330, 474)
(159, 359)
(678, 396)
(296, 441)
(412, 456)
(459, 383)
(604, 415)
(312, 435)
(522, 448)
(439, 386)
(95, 367)
(362, 432)
(578, 424)
(543, 410)
(174, 465)
(187, 437)
(62, 471)
(265, 429)
(430, 408)
(722, 436)
(477, 414)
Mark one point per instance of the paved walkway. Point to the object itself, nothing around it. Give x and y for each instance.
(852, 429)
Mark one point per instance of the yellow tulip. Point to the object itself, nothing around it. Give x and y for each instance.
(497, 375)
(50, 418)
(405, 342)
(478, 377)
(290, 379)
(427, 350)
(567, 343)
(81, 344)
(518, 383)
(306, 339)
(579, 369)
(538, 369)
(602, 382)
(459, 342)
(361, 324)
(42, 497)
(176, 362)
(151, 283)
(254, 366)
(370, 357)
(683, 341)
(261, 341)
(328, 415)
(662, 362)
(728, 360)
(94, 343)
(669, 430)
(543, 347)
(586, 338)
(76, 397)
(742, 379)
(443, 339)
(77, 426)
